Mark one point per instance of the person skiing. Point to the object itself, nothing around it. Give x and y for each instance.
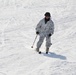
(45, 29)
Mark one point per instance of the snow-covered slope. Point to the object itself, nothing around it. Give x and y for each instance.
(18, 19)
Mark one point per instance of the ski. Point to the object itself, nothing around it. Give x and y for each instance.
(41, 52)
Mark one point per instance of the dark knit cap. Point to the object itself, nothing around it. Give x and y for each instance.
(47, 14)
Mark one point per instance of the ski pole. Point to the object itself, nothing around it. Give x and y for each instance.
(34, 41)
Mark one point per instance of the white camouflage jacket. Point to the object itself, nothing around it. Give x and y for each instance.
(45, 29)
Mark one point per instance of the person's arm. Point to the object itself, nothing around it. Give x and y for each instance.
(51, 29)
(38, 27)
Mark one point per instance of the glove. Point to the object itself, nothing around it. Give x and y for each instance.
(49, 35)
(37, 33)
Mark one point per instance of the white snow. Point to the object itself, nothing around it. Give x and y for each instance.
(18, 19)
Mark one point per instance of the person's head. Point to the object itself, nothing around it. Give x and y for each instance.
(47, 15)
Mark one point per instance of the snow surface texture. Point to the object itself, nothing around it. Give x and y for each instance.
(18, 19)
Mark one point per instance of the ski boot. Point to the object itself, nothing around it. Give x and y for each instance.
(47, 50)
(37, 50)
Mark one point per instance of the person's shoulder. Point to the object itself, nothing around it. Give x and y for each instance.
(51, 21)
(42, 19)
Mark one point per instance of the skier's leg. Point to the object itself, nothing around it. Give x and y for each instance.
(39, 43)
(48, 43)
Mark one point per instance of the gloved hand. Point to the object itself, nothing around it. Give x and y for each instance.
(37, 33)
(49, 35)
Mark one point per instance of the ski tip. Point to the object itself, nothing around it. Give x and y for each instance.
(40, 52)
(46, 52)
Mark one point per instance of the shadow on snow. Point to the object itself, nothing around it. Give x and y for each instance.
(53, 55)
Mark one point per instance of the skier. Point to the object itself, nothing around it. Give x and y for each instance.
(45, 29)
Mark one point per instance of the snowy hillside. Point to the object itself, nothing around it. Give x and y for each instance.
(18, 19)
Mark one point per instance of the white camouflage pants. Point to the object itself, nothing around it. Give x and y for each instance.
(41, 39)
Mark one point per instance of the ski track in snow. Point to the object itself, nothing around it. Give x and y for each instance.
(18, 19)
